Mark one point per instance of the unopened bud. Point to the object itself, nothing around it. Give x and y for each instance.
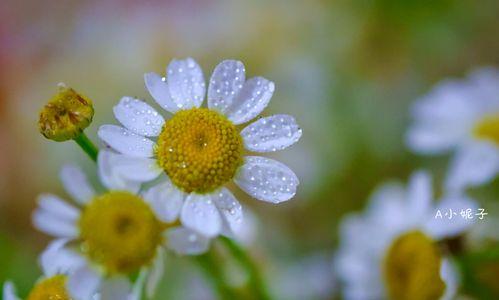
(66, 115)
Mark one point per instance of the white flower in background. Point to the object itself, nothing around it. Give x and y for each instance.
(201, 149)
(461, 116)
(52, 285)
(106, 237)
(390, 251)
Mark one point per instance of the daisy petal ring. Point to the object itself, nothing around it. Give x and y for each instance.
(105, 238)
(200, 149)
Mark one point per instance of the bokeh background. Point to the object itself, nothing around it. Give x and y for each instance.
(348, 71)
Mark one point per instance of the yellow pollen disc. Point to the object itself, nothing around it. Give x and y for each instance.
(120, 232)
(412, 268)
(53, 288)
(488, 128)
(200, 150)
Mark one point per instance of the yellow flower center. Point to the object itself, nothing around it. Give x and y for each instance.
(200, 150)
(120, 232)
(53, 288)
(66, 115)
(412, 268)
(488, 128)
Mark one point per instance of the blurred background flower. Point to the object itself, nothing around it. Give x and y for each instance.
(348, 71)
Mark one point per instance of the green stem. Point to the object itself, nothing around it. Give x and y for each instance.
(86, 144)
(255, 278)
(210, 267)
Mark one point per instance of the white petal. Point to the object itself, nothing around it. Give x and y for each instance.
(186, 241)
(157, 270)
(267, 180)
(420, 194)
(9, 291)
(106, 163)
(76, 183)
(159, 90)
(138, 285)
(83, 283)
(56, 259)
(53, 225)
(230, 209)
(271, 133)
(225, 83)
(58, 207)
(443, 118)
(251, 100)
(450, 226)
(166, 200)
(125, 141)
(450, 276)
(473, 165)
(139, 117)
(200, 213)
(115, 288)
(136, 168)
(186, 82)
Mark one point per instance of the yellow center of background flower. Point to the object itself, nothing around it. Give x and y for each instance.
(53, 288)
(412, 268)
(120, 232)
(488, 128)
(200, 150)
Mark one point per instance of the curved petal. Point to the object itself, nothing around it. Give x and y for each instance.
(231, 211)
(137, 169)
(451, 225)
(251, 100)
(125, 141)
(186, 83)
(166, 200)
(267, 180)
(83, 283)
(9, 291)
(157, 270)
(116, 288)
(199, 213)
(56, 259)
(183, 240)
(271, 133)
(450, 276)
(473, 165)
(106, 163)
(225, 83)
(420, 194)
(76, 183)
(54, 225)
(158, 88)
(138, 116)
(58, 207)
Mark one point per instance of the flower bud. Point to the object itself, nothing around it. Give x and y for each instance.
(66, 115)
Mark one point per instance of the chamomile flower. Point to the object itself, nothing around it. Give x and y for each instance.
(390, 251)
(461, 116)
(200, 149)
(52, 285)
(112, 235)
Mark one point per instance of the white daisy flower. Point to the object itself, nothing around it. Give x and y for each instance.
(390, 251)
(52, 285)
(201, 149)
(461, 116)
(104, 238)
